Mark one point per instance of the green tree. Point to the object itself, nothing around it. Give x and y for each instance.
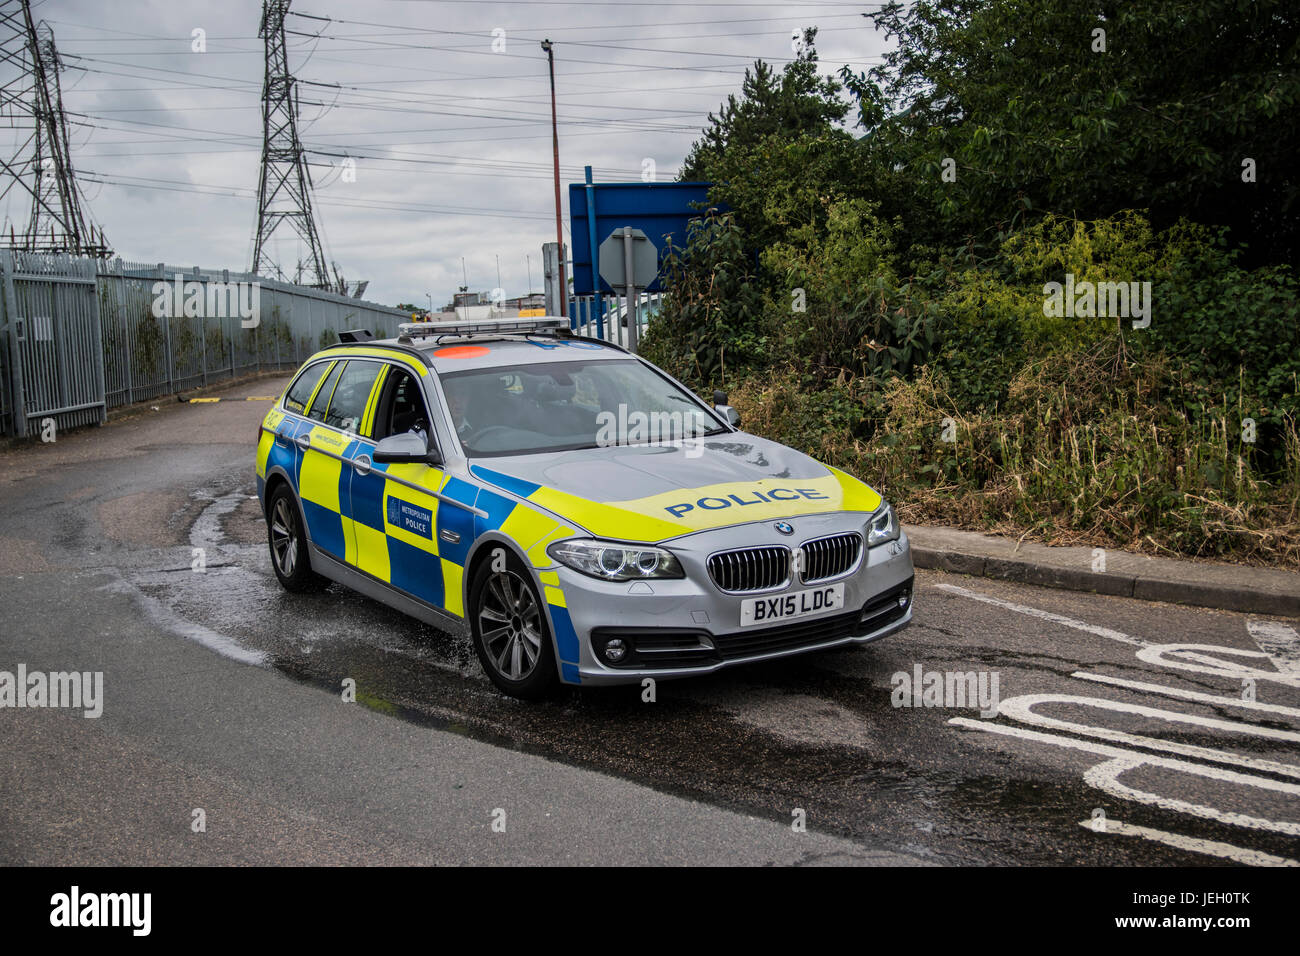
(1083, 108)
(795, 101)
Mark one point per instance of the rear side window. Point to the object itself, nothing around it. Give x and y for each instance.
(317, 410)
(300, 392)
(348, 403)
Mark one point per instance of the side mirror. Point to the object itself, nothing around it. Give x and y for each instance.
(407, 448)
(722, 408)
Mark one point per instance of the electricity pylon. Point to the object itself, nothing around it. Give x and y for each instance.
(284, 188)
(40, 162)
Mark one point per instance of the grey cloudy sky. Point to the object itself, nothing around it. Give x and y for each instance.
(451, 140)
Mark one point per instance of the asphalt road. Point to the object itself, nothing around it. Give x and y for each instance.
(1168, 735)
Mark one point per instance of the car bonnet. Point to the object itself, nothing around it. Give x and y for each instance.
(657, 492)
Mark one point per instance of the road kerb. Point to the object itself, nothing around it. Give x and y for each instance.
(1241, 596)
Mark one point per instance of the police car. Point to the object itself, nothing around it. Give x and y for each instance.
(589, 518)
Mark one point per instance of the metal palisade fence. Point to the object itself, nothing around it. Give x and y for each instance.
(81, 336)
(612, 311)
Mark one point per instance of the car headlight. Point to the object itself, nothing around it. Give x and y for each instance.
(883, 527)
(615, 562)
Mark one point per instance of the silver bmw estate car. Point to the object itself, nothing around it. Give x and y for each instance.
(587, 516)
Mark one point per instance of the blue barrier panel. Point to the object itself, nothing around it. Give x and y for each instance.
(657, 209)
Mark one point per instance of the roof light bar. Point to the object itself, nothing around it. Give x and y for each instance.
(422, 330)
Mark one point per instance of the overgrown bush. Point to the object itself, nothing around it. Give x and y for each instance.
(711, 319)
(1090, 446)
(879, 300)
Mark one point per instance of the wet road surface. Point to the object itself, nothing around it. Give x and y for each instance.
(1127, 732)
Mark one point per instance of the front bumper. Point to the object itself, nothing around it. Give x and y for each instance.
(687, 627)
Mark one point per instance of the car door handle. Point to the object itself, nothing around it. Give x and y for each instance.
(282, 439)
(361, 464)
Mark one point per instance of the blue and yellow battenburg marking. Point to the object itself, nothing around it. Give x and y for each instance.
(393, 532)
(674, 513)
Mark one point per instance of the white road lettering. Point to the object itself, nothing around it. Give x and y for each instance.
(1225, 851)
(1277, 662)
(1197, 696)
(1104, 776)
(1022, 709)
(1200, 659)
(1279, 642)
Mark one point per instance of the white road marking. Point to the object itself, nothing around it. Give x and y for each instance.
(1280, 647)
(1105, 776)
(1046, 616)
(1196, 658)
(1279, 642)
(1193, 844)
(1189, 694)
(1021, 709)
(1200, 659)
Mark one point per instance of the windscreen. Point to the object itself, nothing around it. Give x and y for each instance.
(564, 405)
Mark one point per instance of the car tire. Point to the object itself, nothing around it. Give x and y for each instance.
(510, 629)
(288, 543)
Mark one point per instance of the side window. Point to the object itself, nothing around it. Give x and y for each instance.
(300, 392)
(348, 403)
(401, 407)
(317, 410)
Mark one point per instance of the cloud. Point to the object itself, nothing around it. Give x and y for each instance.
(443, 107)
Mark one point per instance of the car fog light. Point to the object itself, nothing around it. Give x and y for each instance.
(903, 599)
(615, 650)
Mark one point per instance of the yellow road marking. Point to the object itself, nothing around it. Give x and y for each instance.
(251, 398)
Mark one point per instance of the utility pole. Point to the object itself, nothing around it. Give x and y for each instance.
(284, 187)
(529, 260)
(555, 144)
(31, 101)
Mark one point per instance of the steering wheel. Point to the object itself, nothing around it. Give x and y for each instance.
(488, 431)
